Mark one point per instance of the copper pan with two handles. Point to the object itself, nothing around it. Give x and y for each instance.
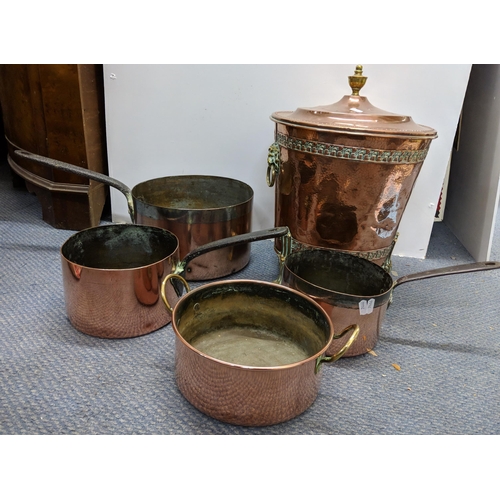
(249, 352)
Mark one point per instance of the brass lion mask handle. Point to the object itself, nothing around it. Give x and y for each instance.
(273, 164)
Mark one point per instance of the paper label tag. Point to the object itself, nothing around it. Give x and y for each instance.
(366, 306)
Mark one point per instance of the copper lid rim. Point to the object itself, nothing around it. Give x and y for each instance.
(354, 113)
(349, 131)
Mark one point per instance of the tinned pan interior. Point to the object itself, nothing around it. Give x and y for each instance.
(249, 395)
(338, 278)
(119, 246)
(255, 305)
(194, 199)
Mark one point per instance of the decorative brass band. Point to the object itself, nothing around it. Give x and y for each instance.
(351, 152)
(381, 253)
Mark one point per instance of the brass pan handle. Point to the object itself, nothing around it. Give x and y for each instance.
(335, 357)
(164, 285)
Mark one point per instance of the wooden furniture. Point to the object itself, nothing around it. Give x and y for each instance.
(57, 111)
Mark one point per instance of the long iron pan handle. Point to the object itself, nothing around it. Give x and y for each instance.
(177, 276)
(264, 234)
(89, 174)
(444, 271)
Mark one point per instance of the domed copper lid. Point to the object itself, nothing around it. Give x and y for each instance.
(354, 114)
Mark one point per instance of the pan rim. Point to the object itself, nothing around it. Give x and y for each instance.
(329, 291)
(247, 368)
(119, 225)
(248, 198)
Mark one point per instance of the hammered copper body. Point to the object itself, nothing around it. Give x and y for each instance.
(112, 276)
(243, 394)
(352, 289)
(343, 173)
(198, 209)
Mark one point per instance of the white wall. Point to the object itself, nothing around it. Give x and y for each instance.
(474, 188)
(214, 119)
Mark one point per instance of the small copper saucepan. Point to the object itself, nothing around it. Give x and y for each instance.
(249, 352)
(198, 209)
(112, 276)
(354, 290)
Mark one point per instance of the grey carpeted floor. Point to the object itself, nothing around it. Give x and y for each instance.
(443, 332)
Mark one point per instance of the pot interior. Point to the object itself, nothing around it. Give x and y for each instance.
(250, 323)
(119, 246)
(339, 272)
(193, 192)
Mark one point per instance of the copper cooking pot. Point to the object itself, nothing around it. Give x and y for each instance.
(198, 209)
(354, 290)
(249, 352)
(343, 173)
(112, 276)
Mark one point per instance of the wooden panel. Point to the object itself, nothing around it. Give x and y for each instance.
(57, 110)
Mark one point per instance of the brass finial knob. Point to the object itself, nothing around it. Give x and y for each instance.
(357, 81)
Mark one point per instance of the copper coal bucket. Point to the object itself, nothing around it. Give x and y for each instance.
(343, 173)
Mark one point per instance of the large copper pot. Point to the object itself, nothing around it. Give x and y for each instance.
(198, 209)
(249, 352)
(111, 279)
(343, 173)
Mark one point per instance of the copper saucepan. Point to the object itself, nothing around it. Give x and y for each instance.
(249, 352)
(111, 279)
(354, 290)
(112, 276)
(198, 209)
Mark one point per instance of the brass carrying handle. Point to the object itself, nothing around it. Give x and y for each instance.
(163, 288)
(273, 164)
(270, 176)
(335, 357)
(286, 250)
